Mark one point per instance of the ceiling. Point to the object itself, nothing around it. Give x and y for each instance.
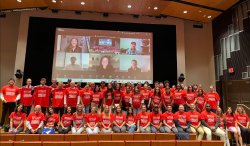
(197, 10)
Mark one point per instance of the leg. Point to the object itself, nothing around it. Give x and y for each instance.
(123, 129)
(131, 129)
(96, 130)
(180, 129)
(200, 133)
(80, 130)
(221, 134)
(20, 129)
(142, 130)
(89, 131)
(208, 132)
(60, 130)
(148, 129)
(174, 129)
(67, 130)
(188, 130)
(73, 130)
(162, 129)
(116, 129)
(39, 131)
(4, 112)
(27, 131)
(153, 129)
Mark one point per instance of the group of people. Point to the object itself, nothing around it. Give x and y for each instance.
(121, 108)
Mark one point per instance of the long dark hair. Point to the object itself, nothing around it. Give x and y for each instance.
(110, 90)
(128, 114)
(159, 92)
(23, 110)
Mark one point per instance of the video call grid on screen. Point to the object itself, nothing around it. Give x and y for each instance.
(99, 55)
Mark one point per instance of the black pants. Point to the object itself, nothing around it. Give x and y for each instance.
(59, 110)
(27, 109)
(7, 108)
(64, 131)
(245, 133)
(39, 131)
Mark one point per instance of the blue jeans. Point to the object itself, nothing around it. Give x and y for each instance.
(131, 129)
(136, 111)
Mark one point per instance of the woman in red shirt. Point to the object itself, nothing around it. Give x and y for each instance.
(243, 122)
(106, 120)
(200, 101)
(109, 97)
(97, 99)
(86, 97)
(190, 98)
(78, 120)
(52, 120)
(126, 99)
(136, 101)
(232, 126)
(118, 95)
(156, 98)
(66, 122)
(92, 120)
(131, 121)
(119, 121)
(166, 99)
(17, 119)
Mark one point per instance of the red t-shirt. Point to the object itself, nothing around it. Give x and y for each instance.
(41, 95)
(156, 118)
(146, 94)
(221, 122)
(26, 98)
(168, 118)
(96, 97)
(131, 119)
(136, 100)
(144, 118)
(212, 99)
(67, 120)
(119, 119)
(242, 119)
(17, 118)
(106, 120)
(79, 118)
(210, 118)
(194, 117)
(53, 119)
(190, 97)
(156, 100)
(109, 98)
(35, 119)
(92, 119)
(58, 98)
(117, 96)
(126, 98)
(230, 120)
(200, 103)
(71, 96)
(179, 97)
(103, 90)
(86, 97)
(182, 117)
(10, 93)
(167, 98)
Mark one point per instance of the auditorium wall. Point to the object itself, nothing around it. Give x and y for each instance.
(194, 46)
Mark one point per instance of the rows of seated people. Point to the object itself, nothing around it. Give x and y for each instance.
(121, 108)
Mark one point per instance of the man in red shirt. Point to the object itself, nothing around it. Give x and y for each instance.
(35, 121)
(195, 122)
(182, 120)
(213, 99)
(168, 121)
(86, 97)
(9, 95)
(26, 97)
(156, 118)
(179, 97)
(71, 97)
(144, 120)
(58, 99)
(210, 124)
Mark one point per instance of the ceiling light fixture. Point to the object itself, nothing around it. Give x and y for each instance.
(209, 17)
(185, 12)
(129, 6)
(53, 1)
(19, 1)
(149, 7)
(155, 8)
(82, 3)
(61, 1)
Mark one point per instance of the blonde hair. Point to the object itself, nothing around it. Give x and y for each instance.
(243, 110)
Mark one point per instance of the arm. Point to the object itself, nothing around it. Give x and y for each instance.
(11, 124)
(2, 97)
(28, 125)
(176, 122)
(40, 125)
(18, 97)
(205, 124)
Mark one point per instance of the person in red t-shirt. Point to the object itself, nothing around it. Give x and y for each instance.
(26, 97)
(156, 98)
(210, 124)
(51, 122)
(72, 97)
(103, 87)
(126, 99)
(42, 95)
(182, 120)
(195, 120)
(146, 95)
(144, 119)
(200, 101)
(109, 97)
(167, 99)
(86, 97)
(232, 126)
(131, 121)
(156, 119)
(136, 101)
(66, 122)
(106, 120)
(119, 121)
(213, 99)
(242, 120)
(53, 84)
(97, 99)
(191, 97)
(78, 120)
(118, 94)
(58, 95)
(17, 119)
(92, 121)
(35, 121)
(179, 97)
(9, 95)
(168, 121)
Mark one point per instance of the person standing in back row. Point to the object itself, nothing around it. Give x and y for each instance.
(26, 97)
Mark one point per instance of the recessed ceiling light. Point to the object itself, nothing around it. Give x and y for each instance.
(53, 1)
(155, 8)
(200, 11)
(82, 3)
(209, 17)
(129, 6)
(185, 12)
(149, 7)
(204, 15)
(19, 1)
(61, 1)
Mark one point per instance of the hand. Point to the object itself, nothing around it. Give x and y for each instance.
(65, 105)
(32, 131)
(4, 101)
(10, 130)
(15, 130)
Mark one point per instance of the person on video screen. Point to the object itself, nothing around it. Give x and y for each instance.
(73, 65)
(132, 50)
(74, 46)
(134, 69)
(105, 68)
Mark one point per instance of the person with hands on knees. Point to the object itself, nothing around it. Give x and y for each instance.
(156, 119)
(106, 120)
(119, 121)
(182, 120)
(35, 121)
(51, 122)
(66, 122)
(92, 120)
(79, 120)
(17, 119)
(131, 121)
(144, 120)
(168, 121)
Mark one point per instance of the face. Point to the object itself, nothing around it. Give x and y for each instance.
(143, 108)
(211, 88)
(240, 109)
(110, 86)
(51, 110)
(156, 109)
(137, 90)
(93, 110)
(167, 89)
(68, 109)
(118, 109)
(87, 87)
(117, 86)
(60, 85)
(105, 62)
(181, 108)
(229, 110)
(200, 91)
(97, 88)
(161, 85)
(133, 64)
(145, 87)
(133, 46)
(189, 88)
(43, 82)
(169, 108)
(106, 109)
(157, 90)
(127, 89)
(130, 110)
(74, 42)
(11, 82)
(79, 108)
(72, 84)
(54, 81)
(37, 109)
(19, 108)
(178, 87)
(192, 106)
(73, 60)
(219, 110)
(28, 82)
(208, 107)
